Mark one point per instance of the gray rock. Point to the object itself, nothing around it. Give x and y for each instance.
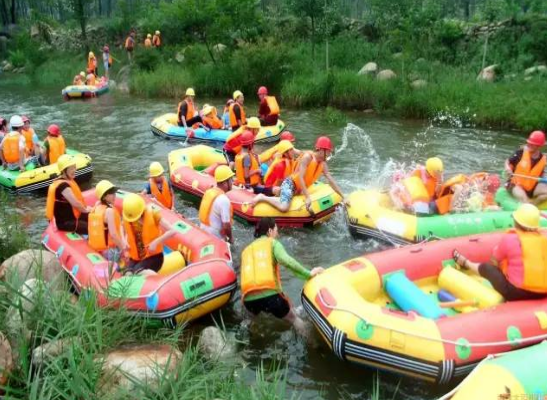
(6, 359)
(538, 69)
(369, 68)
(488, 74)
(30, 264)
(215, 344)
(52, 349)
(385, 75)
(34, 31)
(7, 67)
(219, 48)
(179, 57)
(418, 84)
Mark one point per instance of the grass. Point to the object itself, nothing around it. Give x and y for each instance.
(12, 238)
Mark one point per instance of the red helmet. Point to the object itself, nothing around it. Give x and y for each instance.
(262, 90)
(25, 118)
(247, 138)
(493, 183)
(536, 138)
(323, 143)
(287, 136)
(2, 121)
(54, 130)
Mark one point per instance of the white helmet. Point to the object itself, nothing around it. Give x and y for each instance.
(16, 121)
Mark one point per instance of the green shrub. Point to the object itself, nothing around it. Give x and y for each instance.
(17, 58)
(147, 59)
(13, 239)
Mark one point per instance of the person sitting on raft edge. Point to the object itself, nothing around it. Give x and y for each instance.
(519, 267)
(525, 167)
(261, 289)
(268, 109)
(186, 110)
(159, 187)
(311, 166)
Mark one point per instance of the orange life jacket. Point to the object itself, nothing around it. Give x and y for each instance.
(289, 168)
(129, 43)
(524, 167)
(429, 181)
(91, 63)
(312, 174)
(156, 41)
(233, 119)
(240, 170)
(147, 43)
(150, 232)
(212, 120)
(164, 196)
(29, 143)
(77, 81)
(99, 237)
(272, 105)
(259, 270)
(190, 110)
(445, 195)
(10, 147)
(90, 80)
(534, 257)
(50, 202)
(57, 148)
(206, 205)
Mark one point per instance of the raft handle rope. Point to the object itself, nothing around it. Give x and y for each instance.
(384, 234)
(516, 341)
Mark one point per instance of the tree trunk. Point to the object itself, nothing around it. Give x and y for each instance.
(4, 12)
(466, 9)
(312, 38)
(100, 7)
(13, 11)
(208, 47)
(108, 7)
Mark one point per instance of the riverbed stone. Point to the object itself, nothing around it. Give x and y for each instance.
(216, 344)
(52, 349)
(386, 75)
(6, 359)
(369, 68)
(30, 264)
(145, 364)
(418, 83)
(488, 74)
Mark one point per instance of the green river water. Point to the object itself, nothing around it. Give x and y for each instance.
(115, 131)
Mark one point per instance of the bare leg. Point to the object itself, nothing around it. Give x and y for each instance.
(297, 322)
(273, 201)
(520, 194)
(540, 193)
(463, 262)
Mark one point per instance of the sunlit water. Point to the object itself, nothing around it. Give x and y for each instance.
(114, 131)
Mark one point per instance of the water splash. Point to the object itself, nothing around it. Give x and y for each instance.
(453, 118)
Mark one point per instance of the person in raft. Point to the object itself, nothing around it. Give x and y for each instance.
(215, 211)
(54, 145)
(13, 145)
(247, 166)
(281, 167)
(236, 111)
(33, 150)
(159, 187)
(104, 226)
(142, 235)
(210, 119)
(92, 63)
(268, 110)
(79, 79)
(519, 271)
(269, 155)
(311, 166)
(91, 79)
(233, 145)
(186, 111)
(65, 203)
(261, 289)
(525, 167)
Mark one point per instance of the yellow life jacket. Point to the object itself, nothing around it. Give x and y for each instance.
(534, 257)
(50, 202)
(524, 167)
(416, 190)
(272, 105)
(312, 174)
(164, 196)
(98, 228)
(206, 205)
(10, 147)
(57, 148)
(429, 181)
(29, 143)
(240, 169)
(150, 232)
(258, 269)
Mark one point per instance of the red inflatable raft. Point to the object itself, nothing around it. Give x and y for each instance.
(178, 293)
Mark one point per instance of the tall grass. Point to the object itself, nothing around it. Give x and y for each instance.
(12, 238)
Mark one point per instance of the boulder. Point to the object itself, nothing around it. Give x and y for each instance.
(145, 364)
(418, 83)
(488, 74)
(219, 48)
(7, 67)
(538, 69)
(179, 57)
(385, 75)
(17, 321)
(215, 344)
(30, 264)
(52, 349)
(6, 359)
(369, 68)
(34, 31)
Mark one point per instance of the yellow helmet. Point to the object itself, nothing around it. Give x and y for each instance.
(133, 207)
(190, 92)
(223, 173)
(156, 169)
(527, 216)
(207, 109)
(434, 165)
(103, 187)
(91, 55)
(149, 36)
(237, 93)
(158, 33)
(65, 161)
(284, 146)
(253, 123)
(82, 74)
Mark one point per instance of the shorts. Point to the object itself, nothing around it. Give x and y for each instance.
(504, 287)
(267, 191)
(106, 65)
(276, 304)
(112, 254)
(510, 186)
(153, 263)
(230, 155)
(287, 191)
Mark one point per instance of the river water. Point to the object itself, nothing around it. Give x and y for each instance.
(115, 131)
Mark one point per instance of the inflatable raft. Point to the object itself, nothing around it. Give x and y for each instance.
(178, 293)
(509, 203)
(85, 91)
(382, 310)
(166, 126)
(370, 214)
(187, 173)
(36, 178)
(519, 374)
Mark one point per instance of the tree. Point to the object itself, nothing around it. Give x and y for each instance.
(80, 13)
(314, 10)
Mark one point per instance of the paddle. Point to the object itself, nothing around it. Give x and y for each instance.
(539, 179)
(458, 303)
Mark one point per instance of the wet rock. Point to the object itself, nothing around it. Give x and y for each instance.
(488, 74)
(369, 68)
(144, 364)
(30, 264)
(386, 75)
(418, 84)
(52, 349)
(215, 344)
(6, 359)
